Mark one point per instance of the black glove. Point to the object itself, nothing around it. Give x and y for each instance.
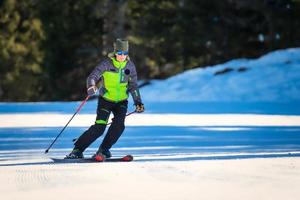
(139, 107)
(92, 90)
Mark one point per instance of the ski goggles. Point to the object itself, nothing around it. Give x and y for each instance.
(122, 53)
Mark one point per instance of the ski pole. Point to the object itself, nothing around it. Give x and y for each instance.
(126, 116)
(78, 109)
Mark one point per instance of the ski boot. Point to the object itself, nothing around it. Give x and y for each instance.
(75, 154)
(105, 152)
(101, 155)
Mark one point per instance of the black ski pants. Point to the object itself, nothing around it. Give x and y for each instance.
(115, 130)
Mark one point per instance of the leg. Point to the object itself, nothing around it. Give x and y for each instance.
(89, 136)
(117, 127)
(96, 130)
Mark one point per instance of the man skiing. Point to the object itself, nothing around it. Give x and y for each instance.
(117, 75)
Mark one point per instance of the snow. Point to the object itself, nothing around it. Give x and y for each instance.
(231, 136)
(266, 179)
(274, 77)
(84, 120)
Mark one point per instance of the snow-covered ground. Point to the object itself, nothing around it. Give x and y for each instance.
(265, 179)
(274, 77)
(203, 136)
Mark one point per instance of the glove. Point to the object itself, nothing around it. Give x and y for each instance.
(92, 90)
(139, 107)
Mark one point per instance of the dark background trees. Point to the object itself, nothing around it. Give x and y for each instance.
(47, 48)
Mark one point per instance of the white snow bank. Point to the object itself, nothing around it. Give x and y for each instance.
(85, 120)
(273, 179)
(274, 77)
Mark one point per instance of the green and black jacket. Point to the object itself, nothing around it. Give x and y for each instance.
(117, 79)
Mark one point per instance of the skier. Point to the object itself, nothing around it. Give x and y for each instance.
(117, 75)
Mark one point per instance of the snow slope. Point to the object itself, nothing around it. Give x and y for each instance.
(245, 145)
(274, 77)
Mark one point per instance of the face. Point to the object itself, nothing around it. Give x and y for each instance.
(121, 57)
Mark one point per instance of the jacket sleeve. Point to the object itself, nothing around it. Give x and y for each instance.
(133, 85)
(96, 74)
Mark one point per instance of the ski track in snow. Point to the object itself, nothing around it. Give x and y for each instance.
(153, 143)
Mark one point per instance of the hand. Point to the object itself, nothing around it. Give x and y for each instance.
(139, 107)
(92, 90)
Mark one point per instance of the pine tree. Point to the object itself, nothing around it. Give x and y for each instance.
(21, 34)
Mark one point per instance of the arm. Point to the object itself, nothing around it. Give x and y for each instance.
(96, 74)
(94, 77)
(133, 86)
